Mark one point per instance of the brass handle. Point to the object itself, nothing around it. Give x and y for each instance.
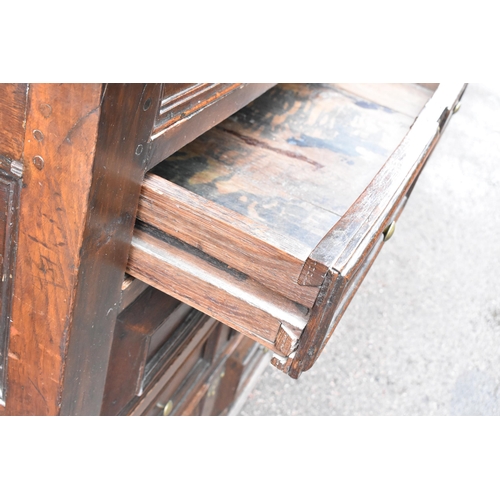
(389, 230)
(457, 107)
(167, 409)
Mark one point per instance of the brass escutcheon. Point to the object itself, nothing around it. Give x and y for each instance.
(389, 230)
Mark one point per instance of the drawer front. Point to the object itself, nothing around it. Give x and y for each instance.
(217, 387)
(191, 389)
(168, 358)
(153, 336)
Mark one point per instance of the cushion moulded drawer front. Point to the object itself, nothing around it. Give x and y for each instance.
(269, 221)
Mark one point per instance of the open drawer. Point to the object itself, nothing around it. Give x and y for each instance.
(269, 221)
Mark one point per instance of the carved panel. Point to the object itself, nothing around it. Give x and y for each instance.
(182, 100)
(10, 184)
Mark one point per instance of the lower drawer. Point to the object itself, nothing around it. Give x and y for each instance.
(170, 359)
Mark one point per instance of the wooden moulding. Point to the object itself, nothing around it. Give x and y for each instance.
(233, 267)
(10, 186)
(187, 110)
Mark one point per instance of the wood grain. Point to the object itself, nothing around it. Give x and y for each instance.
(10, 186)
(347, 248)
(215, 289)
(275, 260)
(90, 141)
(54, 204)
(13, 101)
(131, 289)
(179, 101)
(121, 152)
(148, 318)
(210, 112)
(189, 340)
(369, 215)
(294, 160)
(261, 190)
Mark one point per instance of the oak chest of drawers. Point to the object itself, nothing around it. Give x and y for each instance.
(246, 216)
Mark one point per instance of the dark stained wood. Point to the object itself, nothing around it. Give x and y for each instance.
(229, 382)
(150, 316)
(370, 214)
(10, 185)
(131, 289)
(211, 287)
(193, 333)
(262, 189)
(184, 387)
(84, 155)
(313, 143)
(268, 222)
(276, 260)
(181, 100)
(253, 369)
(216, 108)
(118, 171)
(295, 155)
(346, 248)
(185, 370)
(13, 102)
(13, 98)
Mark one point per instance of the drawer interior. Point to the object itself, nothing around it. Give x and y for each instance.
(263, 188)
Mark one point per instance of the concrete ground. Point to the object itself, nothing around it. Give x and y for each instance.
(422, 335)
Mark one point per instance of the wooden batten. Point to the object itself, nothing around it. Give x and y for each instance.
(212, 287)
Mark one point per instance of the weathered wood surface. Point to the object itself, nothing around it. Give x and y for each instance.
(261, 190)
(117, 174)
(295, 159)
(131, 289)
(233, 376)
(347, 247)
(13, 104)
(85, 149)
(54, 204)
(13, 99)
(82, 143)
(150, 316)
(194, 109)
(275, 260)
(368, 216)
(225, 294)
(10, 186)
(188, 366)
(337, 152)
(181, 100)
